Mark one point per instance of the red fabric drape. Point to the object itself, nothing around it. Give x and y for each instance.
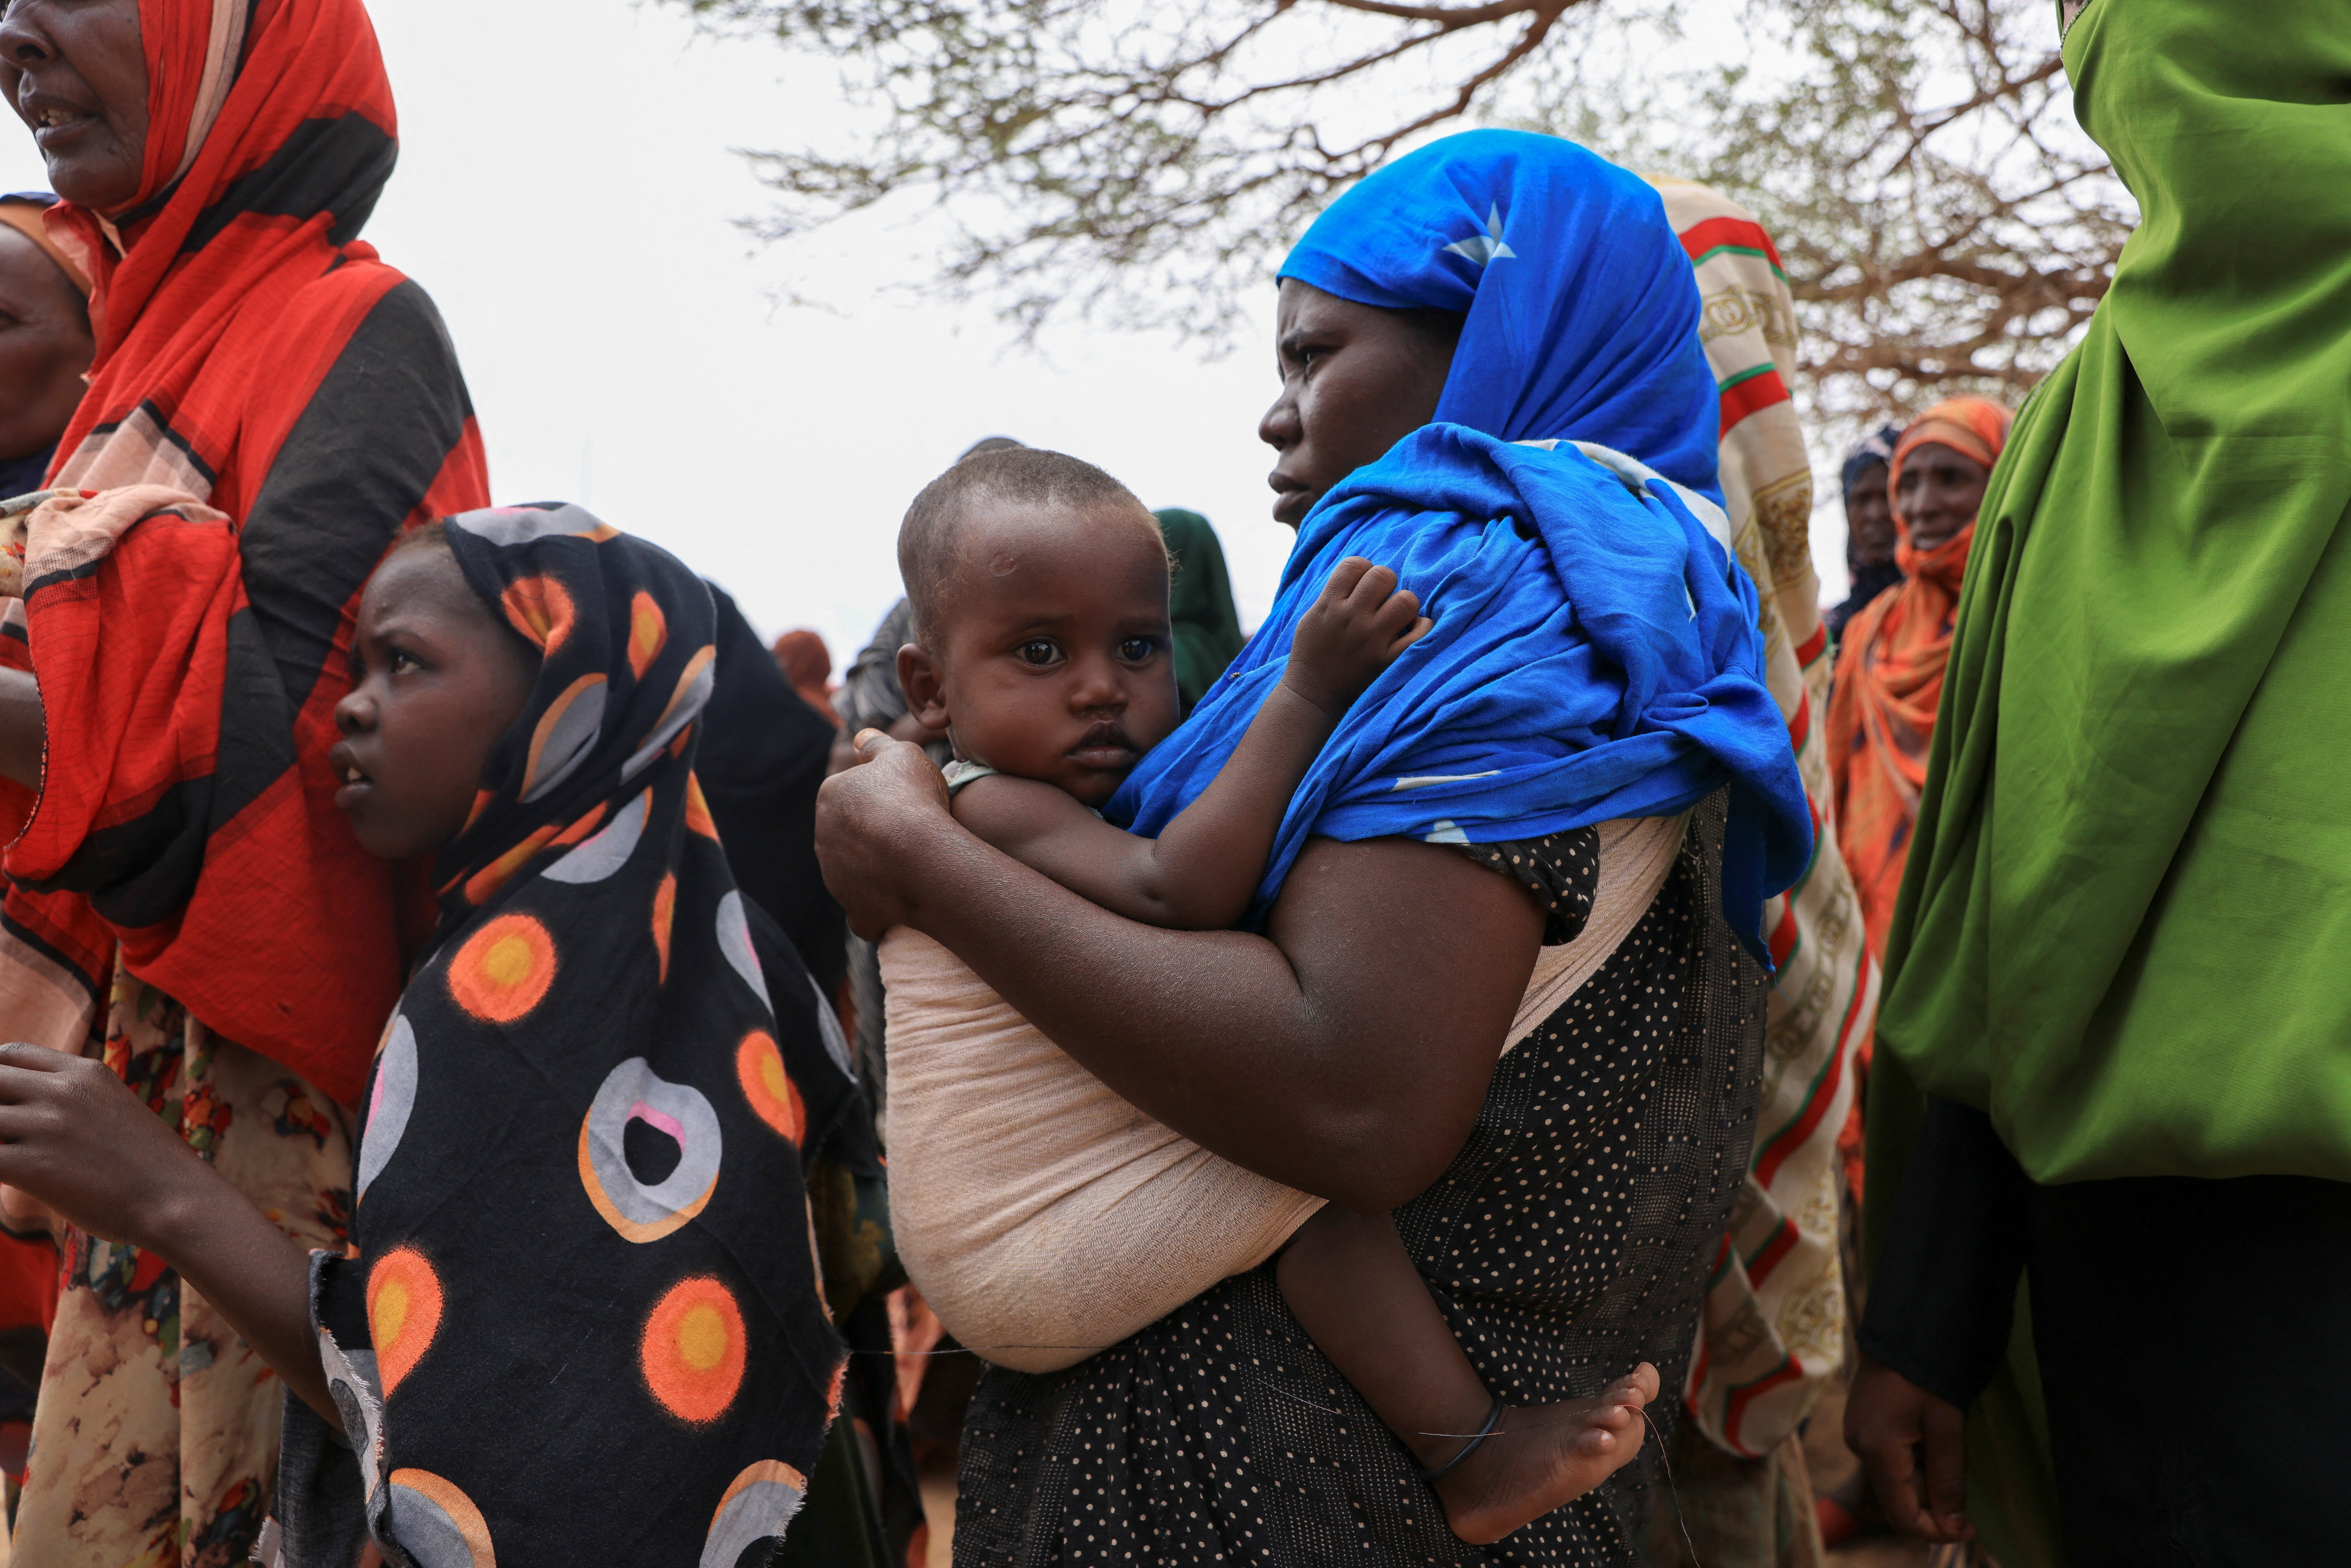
(254, 354)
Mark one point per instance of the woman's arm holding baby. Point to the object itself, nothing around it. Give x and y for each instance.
(1346, 1053)
(73, 1135)
(1202, 871)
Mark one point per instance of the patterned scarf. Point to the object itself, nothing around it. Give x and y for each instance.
(580, 1196)
(1889, 675)
(254, 355)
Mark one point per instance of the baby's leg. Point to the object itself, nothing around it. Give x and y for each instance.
(1356, 1291)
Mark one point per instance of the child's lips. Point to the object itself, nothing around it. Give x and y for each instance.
(352, 780)
(1105, 745)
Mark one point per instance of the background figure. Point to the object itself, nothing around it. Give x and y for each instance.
(764, 751)
(45, 342)
(1772, 1330)
(44, 347)
(1870, 538)
(1199, 604)
(807, 663)
(1890, 673)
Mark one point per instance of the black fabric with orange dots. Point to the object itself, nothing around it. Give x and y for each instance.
(582, 1321)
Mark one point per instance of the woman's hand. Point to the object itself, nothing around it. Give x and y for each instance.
(1350, 632)
(1914, 1447)
(74, 1137)
(871, 823)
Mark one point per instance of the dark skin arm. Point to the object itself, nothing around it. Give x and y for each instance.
(74, 1136)
(24, 731)
(1202, 871)
(1344, 1053)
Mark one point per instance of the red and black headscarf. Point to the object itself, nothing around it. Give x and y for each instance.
(255, 356)
(581, 1320)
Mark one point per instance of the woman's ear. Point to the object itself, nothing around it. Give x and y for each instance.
(925, 686)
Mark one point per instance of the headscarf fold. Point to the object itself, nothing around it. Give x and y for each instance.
(2123, 915)
(24, 210)
(1595, 652)
(255, 355)
(581, 1320)
(1889, 674)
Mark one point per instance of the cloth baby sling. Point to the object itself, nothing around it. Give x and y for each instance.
(1045, 1219)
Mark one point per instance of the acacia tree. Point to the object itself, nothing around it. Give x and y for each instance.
(1944, 223)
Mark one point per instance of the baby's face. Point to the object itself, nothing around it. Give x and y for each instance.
(1056, 647)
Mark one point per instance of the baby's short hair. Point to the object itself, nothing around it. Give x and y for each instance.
(1026, 475)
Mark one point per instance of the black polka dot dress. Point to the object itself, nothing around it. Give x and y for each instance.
(1571, 1240)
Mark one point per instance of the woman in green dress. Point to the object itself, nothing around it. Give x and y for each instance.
(2117, 1044)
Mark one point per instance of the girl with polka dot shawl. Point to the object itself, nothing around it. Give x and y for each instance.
(580, 1317)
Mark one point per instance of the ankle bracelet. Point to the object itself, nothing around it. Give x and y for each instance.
(1493, 1421)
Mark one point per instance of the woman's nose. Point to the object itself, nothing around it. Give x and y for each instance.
(354, 714)
(22, 43)
(1279, 428)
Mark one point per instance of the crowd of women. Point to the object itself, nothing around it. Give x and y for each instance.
(445, 1109)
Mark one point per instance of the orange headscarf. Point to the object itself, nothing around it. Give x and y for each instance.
(1889, 674)
(23, 213)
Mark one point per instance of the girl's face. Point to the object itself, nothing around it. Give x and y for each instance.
(436, 680)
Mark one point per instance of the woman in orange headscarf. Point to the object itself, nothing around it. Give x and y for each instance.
(1889, 677)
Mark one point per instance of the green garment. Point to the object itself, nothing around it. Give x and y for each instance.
(1200, 603)
(2132, 869)
(2130, 890)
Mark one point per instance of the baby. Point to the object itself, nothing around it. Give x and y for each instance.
(1040, 587)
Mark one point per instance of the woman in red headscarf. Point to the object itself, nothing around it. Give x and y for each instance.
(1889, 675)
(183, 896)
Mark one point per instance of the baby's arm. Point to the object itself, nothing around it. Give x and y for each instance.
(1203, 869)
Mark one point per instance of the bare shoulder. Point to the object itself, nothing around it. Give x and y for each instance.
(1008, 812)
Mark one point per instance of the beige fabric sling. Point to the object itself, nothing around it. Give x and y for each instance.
(1042, 1216)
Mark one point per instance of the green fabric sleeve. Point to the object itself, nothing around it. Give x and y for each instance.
(1200, 603)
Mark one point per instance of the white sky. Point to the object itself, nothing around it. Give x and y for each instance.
(568, 190)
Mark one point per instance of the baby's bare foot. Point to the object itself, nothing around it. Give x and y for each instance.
(1544, 1457)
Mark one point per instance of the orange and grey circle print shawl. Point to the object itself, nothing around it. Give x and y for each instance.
(1889, 675)
(253, 354)
(581, 1320)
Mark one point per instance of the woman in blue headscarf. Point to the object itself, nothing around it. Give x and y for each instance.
(1585, 725)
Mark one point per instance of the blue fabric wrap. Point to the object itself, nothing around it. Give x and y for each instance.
(1531, 708)
(1595, 652)
(1582, 316)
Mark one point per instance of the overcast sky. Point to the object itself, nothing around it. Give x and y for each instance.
(568, 190)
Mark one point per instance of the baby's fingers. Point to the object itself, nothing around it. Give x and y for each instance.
(1372, 588)
(1411, 634)
(1344, 577)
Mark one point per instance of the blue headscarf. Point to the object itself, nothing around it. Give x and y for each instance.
(1872, 451)
(1595, 653)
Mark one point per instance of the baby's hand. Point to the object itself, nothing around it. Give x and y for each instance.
(1350, 633)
